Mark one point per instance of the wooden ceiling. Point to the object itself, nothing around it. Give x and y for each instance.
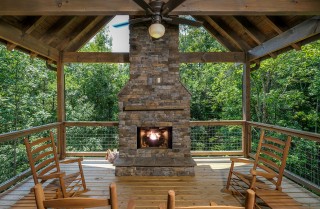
(44, 28)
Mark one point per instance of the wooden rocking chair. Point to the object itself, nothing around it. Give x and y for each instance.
(265, 176)
(77, 202)
(171, 203)
(45, 166)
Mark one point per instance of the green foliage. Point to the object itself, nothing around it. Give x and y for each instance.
(28, 92)
(286, 90)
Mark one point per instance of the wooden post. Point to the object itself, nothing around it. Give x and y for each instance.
(61, 108)
(246, 133)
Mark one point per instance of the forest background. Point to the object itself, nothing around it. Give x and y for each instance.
(285, 91)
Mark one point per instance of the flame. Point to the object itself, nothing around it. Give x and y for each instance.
(153, 135)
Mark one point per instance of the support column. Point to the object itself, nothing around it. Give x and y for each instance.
(246, 89)
(61, 107)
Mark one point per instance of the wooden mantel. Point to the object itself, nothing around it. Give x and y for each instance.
(189, 7)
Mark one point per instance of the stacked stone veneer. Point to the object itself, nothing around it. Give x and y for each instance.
(154, 97)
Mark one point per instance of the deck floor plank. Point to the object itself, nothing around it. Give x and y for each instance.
(149, 192)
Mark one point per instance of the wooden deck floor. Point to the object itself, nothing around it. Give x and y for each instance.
(149, 192)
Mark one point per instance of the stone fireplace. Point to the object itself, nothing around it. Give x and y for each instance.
(154, 115)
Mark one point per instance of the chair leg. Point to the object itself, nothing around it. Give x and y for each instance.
(230, 175)
(82, 177)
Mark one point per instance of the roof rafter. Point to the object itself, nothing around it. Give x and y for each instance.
(222, 40)
(55, 28)
(76, 32)
(251, 30)
(101, 22)
(190, 7)
(17, 37)
(218, 24)
(301, 31)
(275, 27)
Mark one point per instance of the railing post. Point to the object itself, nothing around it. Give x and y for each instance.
(61, 107)
(246, 108)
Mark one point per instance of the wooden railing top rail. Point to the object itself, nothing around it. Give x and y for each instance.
(289, 131)
(16, 134)
(91, 123)
(217, 123)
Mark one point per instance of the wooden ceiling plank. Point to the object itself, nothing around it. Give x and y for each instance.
(276, 28)
(61, 29)
(219, 24)
(55, 28)
(190, 7)
(75, 46)
(31, 25)
(251, 30)
(300, 32)
(76, 32)
(16, 36)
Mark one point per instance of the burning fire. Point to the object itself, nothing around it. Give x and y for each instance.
(153, 135)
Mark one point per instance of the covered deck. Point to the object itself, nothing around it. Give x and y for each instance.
(150, 191)
(250, 31)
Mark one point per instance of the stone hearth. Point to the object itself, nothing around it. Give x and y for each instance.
(154, 97)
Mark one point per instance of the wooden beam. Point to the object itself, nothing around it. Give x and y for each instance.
(76, 44)
(52, 32)
(279, 30)
(251, 30)
(17, 37)
(32, 23)
(302, 31)
(228, 32)
(192, 57)
(221, 39)
(11, 46)
(85, 23)
(60, 30)
(95, 57)
(205, 57)
(61, 112)
(246, 90)
(190, 7)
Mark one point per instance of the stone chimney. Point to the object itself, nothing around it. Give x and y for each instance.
(154, 97)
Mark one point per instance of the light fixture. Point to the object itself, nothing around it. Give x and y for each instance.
(156, 30)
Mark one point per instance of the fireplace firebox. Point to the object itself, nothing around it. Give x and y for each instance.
(154, 137)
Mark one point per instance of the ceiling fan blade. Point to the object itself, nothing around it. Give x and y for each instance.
(178, 20)
(144, 6)
(171, 5)
(119, 25)
(138, 20)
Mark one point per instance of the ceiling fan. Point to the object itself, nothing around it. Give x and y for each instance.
(157, 11)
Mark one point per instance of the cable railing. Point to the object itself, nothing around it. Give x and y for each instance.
(91, 138)
(208, 138)
(303, 162)
(216, 137)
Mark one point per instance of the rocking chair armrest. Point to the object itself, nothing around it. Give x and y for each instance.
(76, 202)
(263, 174)
(52, 176)
(73, 160)
(241, 160)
